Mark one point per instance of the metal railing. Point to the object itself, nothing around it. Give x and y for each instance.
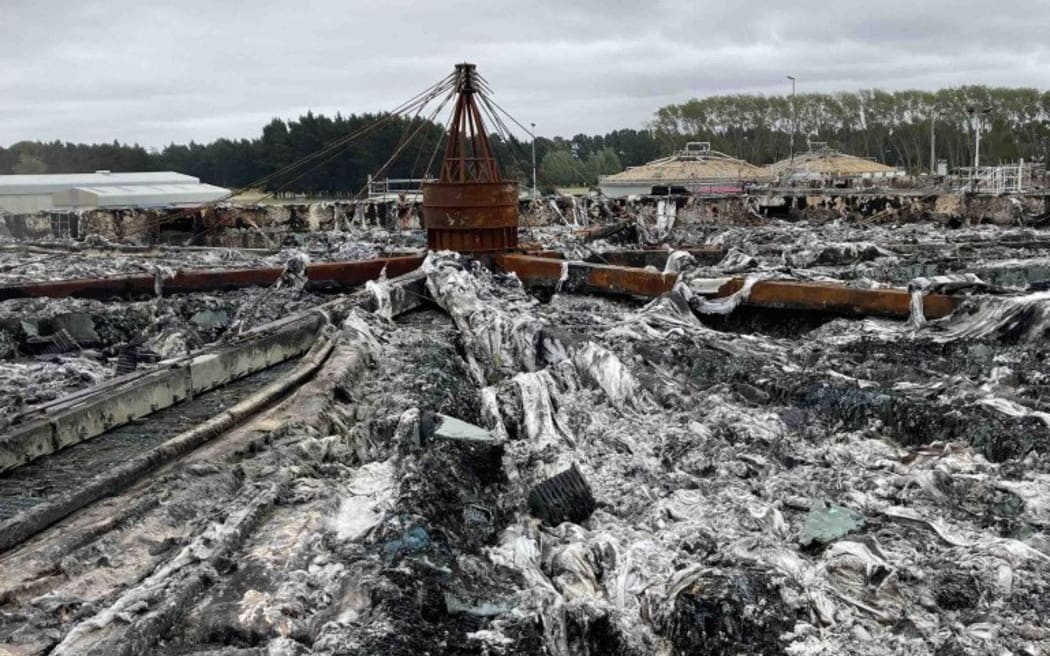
(998, 180)
(386, 187)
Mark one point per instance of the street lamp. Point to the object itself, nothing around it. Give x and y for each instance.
(533, 135)
(794, 119)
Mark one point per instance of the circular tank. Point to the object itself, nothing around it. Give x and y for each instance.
(474, 217)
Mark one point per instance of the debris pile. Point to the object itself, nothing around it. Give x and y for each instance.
(496, 474)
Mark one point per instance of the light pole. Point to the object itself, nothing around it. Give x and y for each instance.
(533, 135)
(794, 119)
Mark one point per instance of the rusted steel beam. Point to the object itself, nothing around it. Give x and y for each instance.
(602, 231)
(586, 277)
(323, 275)
(788, 294)
(837, 299)
(643, 257)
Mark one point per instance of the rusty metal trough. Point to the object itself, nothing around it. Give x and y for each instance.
(786, 294)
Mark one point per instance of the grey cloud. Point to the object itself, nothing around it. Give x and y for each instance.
(197, 70)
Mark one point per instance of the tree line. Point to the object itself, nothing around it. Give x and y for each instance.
(892, 127)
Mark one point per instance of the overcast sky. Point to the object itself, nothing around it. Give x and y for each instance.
(154, 72)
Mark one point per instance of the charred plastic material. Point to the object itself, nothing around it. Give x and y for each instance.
(565, 497)
(470, 208)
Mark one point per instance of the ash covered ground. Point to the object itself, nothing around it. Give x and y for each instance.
(37, 370)
(765, 482)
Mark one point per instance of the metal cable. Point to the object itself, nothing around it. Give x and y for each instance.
(419, 101)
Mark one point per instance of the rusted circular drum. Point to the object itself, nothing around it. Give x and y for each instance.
(471, 217)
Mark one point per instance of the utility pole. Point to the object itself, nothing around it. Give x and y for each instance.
(794, 119)
(533, 135)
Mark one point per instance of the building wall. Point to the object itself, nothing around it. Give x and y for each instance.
(625, 190)
(70, 198)
(25, 203)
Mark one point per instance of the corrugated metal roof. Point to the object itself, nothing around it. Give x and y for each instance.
(52, 182)
(141, 195)
(152, 190)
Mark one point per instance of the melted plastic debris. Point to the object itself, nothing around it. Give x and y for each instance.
(705, 450)
(164, 327)
(826, 524)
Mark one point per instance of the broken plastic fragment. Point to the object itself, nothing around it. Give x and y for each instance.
(414, 540)
(826, 524)
(451, 428)
(477, 608)
(211, 319)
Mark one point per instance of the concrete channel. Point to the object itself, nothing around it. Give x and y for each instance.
(82, 416)
(90, 445)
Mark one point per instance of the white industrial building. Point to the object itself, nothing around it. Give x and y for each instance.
(28, 194)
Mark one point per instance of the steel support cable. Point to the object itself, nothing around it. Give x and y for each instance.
(316, 165)
(405, 140)
(405, 137)
(419, 100)
(427, 121)
(501, 130)
(161, 220)
(413, 171)
(430, 119)
(494, 106)
(437, 146)
(508, 136)
(519, 124)
(418, 105)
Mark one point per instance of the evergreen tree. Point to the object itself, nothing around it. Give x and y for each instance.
(893, 127)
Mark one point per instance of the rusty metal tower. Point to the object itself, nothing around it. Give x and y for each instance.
(470, 208)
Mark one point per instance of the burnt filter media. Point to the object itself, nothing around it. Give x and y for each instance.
(565, 497)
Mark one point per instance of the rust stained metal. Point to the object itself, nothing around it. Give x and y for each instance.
(657, 257)
(586, 277)
(838, 299)
(470, 208)
(471, 217)
(603, 231)
(788, 294)
(326, 275)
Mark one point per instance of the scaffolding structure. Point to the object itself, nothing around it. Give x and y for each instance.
(1000, 180)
